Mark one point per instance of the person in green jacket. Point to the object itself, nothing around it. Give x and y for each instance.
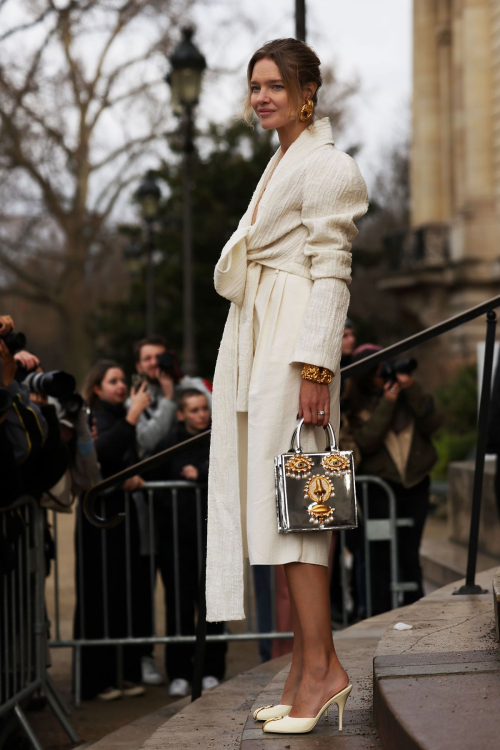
(391, 424)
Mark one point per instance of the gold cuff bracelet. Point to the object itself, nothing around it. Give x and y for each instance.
(317, 374)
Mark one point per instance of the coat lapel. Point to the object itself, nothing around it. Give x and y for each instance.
(275, 178)
(231, 269)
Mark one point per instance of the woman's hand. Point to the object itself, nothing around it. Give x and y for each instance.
(314, 397)
(405, 380)
(134, 483)
(392, 391)
(27, 360)
(139, 401)
(6, 324)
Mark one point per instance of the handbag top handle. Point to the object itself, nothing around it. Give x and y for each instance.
(331, 443)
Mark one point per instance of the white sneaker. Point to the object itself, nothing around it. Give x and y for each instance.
(150, 675)
(110, 694)
(179, 688)
(209, 682)
(131, 690)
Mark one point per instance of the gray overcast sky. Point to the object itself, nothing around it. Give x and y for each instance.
(368, 38)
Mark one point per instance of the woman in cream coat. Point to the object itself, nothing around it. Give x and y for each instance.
(286, 271)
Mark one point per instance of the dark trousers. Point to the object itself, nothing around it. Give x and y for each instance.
(264, 606)
(182, 603)
(102, 594)
(410, 503)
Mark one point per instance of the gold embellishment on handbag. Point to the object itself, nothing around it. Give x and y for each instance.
(299, 466)
(317, 374)
(335, 464)
(307, 506)
(319, 489)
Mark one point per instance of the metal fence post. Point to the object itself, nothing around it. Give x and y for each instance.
(201, 634)
(470, 586)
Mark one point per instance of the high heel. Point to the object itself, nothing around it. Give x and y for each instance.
(296, 725)
(271, 712)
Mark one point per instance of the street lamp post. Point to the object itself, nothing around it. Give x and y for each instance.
(187, 66)
(148, 196)
(300, 19)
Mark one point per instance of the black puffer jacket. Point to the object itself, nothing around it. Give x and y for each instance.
(115, 444)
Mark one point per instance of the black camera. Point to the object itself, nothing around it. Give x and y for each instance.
(71, 405)
(165, 362)
(15, 342)
(5, 401)
(390, 370)
(58, 384)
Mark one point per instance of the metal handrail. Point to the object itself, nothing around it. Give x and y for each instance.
(116, 480)
(418, 338)
(365, 363)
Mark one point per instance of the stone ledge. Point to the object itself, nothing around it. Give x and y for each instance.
(496, 601)
(435, 686)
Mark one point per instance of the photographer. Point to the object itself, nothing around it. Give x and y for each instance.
(158, 366)
(31, 430)
(392, 421)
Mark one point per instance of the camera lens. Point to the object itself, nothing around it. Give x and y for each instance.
(15, 342)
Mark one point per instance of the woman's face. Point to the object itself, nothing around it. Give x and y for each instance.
(113, 388)
(269, 98)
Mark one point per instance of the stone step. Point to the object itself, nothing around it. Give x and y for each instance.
(496, 601)
(133, 735)
(223, 718)
(444, 561)
(436, 685)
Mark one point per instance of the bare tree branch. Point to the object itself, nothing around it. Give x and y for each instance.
(37, 297)
(24, 275)
(29, 25)
(123, 149)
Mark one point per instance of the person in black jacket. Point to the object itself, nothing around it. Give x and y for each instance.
(101, 575)
(191, 463)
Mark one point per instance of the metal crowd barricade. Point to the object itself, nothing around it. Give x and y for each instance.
(23, 634)
(79, 644)
(374, 530)
(377, 530)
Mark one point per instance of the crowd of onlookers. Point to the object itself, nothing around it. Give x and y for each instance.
(56, 444)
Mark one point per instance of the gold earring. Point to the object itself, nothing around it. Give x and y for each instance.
(306, 112)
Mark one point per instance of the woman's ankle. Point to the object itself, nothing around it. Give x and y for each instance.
(324, 668)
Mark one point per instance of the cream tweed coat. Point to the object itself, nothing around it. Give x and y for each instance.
(309, 200)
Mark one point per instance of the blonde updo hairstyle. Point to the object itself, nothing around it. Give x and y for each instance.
(298, 65)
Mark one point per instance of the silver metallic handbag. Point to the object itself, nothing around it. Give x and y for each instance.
(315, 491)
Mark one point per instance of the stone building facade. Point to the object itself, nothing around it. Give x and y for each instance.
(450, 259)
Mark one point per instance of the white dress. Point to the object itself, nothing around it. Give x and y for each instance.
(274, 389)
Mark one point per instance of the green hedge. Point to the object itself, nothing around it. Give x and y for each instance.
(457, 401)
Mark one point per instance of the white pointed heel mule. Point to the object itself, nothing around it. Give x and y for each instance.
(271, 712)
(294, 725)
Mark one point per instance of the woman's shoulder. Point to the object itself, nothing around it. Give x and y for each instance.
(331, 176)
(329, 162)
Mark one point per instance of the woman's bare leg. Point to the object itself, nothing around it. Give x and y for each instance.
(295, 675)
(322, 674)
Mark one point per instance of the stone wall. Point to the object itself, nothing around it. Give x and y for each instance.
(461, 479)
